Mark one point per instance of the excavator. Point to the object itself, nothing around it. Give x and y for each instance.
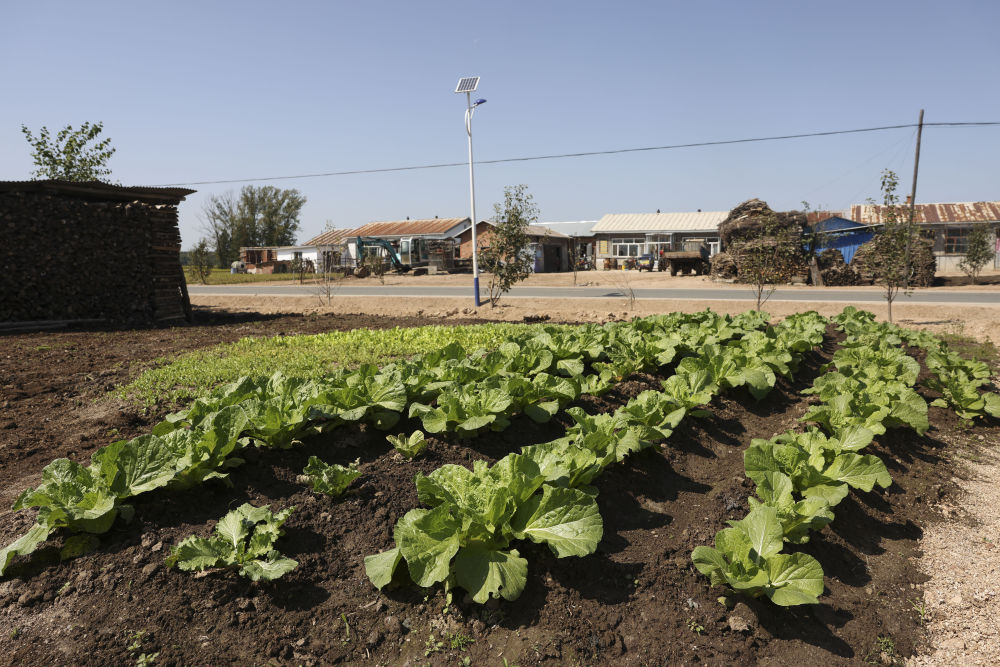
(414, 253)
(368, 244)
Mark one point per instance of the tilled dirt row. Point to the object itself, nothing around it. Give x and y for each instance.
(638, 600)
(54, 385)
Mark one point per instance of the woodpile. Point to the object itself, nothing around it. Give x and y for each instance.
(723, 266)
(75, 257)
(866, 261)
(746, 222)
(835, 271)
(752, 226)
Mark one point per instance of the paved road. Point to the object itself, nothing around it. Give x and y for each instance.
(832, 295)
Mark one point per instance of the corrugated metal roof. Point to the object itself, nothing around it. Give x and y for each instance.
(331, 237)
(540, 230)
(572, 229)
(433, 226)
(977, 211)
(97, 190)
(700, 221)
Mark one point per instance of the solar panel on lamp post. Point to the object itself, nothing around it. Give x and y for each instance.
(468, 86)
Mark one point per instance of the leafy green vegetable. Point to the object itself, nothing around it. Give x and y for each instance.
(464, 538)
(243, 540)
(409, 446)
(330, 478)
(746, 557)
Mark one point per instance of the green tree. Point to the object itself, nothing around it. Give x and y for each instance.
(979, 253)
(200, 261)
(507, 257)
(74, 155)
(259, 216)
(891, 246)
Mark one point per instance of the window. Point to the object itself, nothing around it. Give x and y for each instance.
(657, 243)
(956, 240)
(626, 247)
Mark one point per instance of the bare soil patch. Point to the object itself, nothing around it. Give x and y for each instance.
(53, 385)
(638, 600)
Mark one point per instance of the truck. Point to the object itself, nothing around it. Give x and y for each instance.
(692, 258)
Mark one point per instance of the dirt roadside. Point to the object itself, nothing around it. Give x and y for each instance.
(990, 281)
(980, 322)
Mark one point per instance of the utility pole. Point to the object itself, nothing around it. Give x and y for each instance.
(913, 201)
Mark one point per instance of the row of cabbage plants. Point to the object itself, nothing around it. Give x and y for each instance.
(534, 375)
(544, 493)
(801, 476)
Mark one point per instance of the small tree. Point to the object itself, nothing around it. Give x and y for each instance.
(979, 253)
(201, 261)
(299, 267)
(375, 264)
(68, 157)
(507, 257)
(574, 258)
(329, 281)
(768, 260)
(892, 243)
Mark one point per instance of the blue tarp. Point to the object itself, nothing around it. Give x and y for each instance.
(847, 244)
(843, 234)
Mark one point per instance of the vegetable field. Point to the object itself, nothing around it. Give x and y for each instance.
(677, 488)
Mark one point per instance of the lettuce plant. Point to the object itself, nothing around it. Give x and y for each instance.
(747, 558)
(797, 517)
(817, 466)
(89, 499)
(330, 478)
(243, 540)
(464, 538)
(409, 446)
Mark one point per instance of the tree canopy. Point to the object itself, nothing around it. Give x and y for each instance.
(507, 256)
(73, 155)
(258, 216)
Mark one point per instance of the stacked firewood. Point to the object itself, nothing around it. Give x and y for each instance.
(835, 271)
(69, 258)
(723, 266)
(868, 260)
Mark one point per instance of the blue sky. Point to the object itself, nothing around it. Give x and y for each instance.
(196, 91)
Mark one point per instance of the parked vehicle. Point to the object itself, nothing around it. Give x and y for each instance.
(646, 262)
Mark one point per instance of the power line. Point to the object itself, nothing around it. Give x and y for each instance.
(583, 154)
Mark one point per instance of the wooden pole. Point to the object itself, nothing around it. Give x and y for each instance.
(913, 203)
(916, 166)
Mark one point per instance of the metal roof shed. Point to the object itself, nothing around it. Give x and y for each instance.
(433, 228)
(661, 223)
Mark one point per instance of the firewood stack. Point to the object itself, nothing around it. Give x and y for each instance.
(835, 271)
(746, 226)
(924, 264)
(73, 256)
(723, 266)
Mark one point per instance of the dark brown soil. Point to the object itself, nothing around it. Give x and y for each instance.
(53, 386)
(637, 601)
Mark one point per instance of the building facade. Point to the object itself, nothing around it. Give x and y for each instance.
(620, 237)
(948, 225)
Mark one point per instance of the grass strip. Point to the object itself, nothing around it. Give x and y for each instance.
(193, 374)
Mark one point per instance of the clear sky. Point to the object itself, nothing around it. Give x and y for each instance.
(197, 91)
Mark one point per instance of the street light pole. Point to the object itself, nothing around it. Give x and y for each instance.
(468, 85)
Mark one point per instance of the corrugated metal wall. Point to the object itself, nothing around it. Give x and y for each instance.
(847, 244)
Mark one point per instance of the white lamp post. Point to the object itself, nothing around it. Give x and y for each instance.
(468, 86)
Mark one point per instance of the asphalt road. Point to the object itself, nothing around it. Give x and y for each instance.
(829, 295)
